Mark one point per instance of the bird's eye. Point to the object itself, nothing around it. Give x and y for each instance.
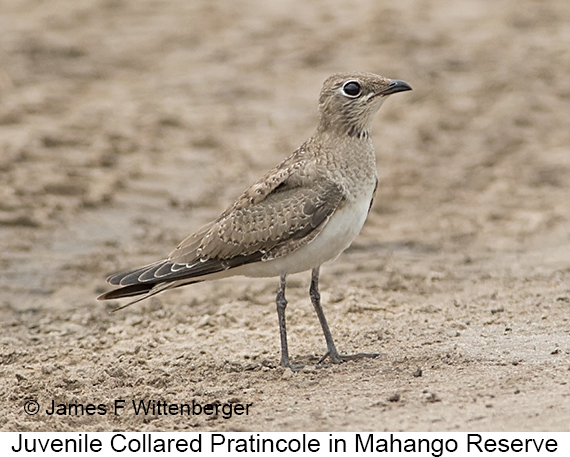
(352, 89)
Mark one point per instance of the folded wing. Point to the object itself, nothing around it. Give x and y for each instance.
(283, 211)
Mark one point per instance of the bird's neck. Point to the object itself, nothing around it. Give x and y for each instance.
(345, 154)
(349, 137)
(355, 129)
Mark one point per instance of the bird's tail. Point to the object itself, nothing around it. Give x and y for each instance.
(145, 290)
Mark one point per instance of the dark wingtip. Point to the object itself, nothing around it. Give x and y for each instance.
(127, 291)
(126, 278)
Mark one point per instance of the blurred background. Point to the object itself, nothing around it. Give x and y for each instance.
(127, 124)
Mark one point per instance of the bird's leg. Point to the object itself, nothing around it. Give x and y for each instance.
(316, 301)
(331, 348)
(281, 303)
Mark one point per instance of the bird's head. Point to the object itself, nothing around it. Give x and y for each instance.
(349, 101)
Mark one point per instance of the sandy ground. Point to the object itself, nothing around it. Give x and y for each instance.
(125, 125)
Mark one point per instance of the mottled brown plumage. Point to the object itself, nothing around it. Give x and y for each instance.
(303, 213)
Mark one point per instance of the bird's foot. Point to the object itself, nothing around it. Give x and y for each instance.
(340, 358)
(287, 364)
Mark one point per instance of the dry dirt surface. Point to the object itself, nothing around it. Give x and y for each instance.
(127, 124)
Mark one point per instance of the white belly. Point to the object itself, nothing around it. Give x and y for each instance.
(339, 232)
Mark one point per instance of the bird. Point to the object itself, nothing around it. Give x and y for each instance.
(301, 214)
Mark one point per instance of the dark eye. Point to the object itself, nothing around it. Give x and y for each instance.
(352, 89)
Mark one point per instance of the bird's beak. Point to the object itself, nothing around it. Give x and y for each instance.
(395, 86)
